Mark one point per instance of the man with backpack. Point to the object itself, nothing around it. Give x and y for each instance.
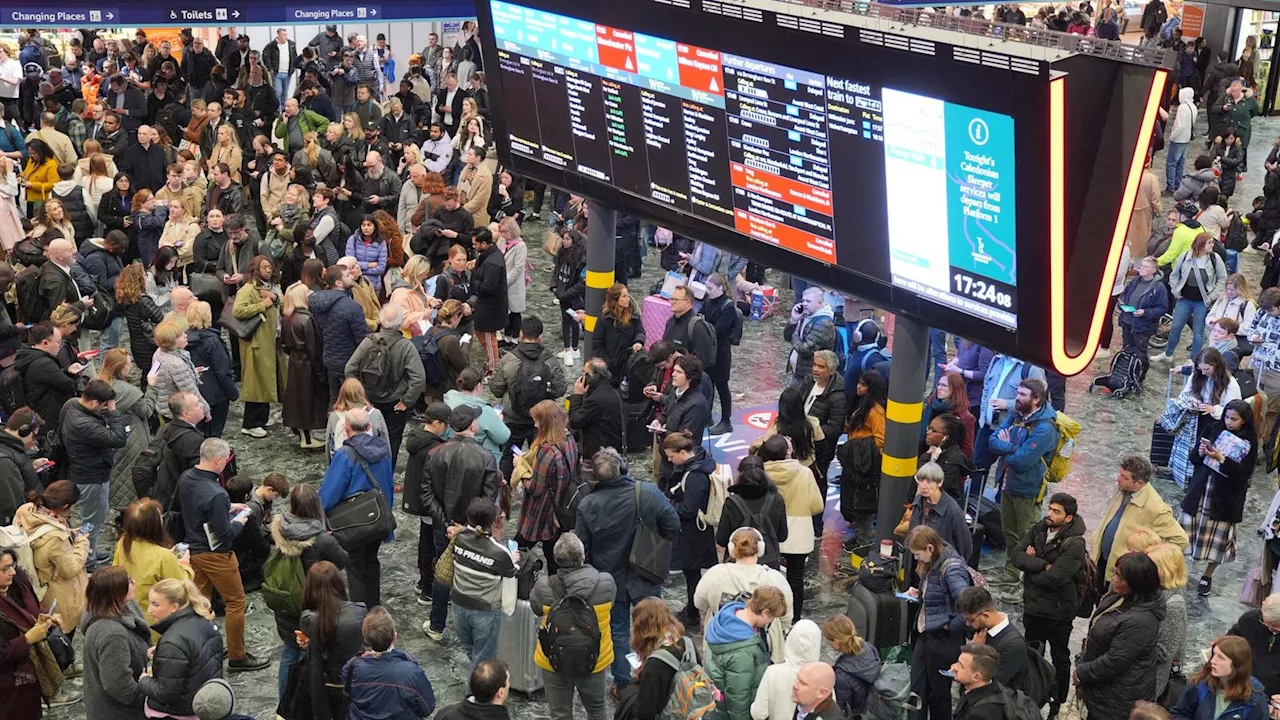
(999, 388)
(526, 375)
(573, 649)
(691, 334)
(341, 323)
(1024, 444)
(388, 366)
(421, 446)
(458, 472)
(174, 450)
(1054, 568)
(994, 630)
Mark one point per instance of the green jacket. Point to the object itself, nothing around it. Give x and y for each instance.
(308, 121)
(736, 668)
(1240, 116)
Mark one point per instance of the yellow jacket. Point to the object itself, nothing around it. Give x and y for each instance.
(1146, 509)
(40, 180)
(596, 587)
(148, 564)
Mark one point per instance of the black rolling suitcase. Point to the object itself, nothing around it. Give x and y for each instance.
(1161, 439)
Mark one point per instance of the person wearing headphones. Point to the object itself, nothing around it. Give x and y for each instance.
(19, 473)
(742, 577)
(865, 353)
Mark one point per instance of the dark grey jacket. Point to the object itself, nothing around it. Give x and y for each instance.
(115, 654)
(91, 439)
(607, 534)
(406, 366)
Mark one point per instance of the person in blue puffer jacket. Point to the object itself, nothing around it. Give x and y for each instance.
(369, 248)
(1150, 301)
(1000, 384)
(385, 682)
(1024, 444)
(939, 630)
(341, 323)
(1225, 688)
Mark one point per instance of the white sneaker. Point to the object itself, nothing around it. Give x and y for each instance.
(568, 358)
(564, 353)
(254, 432)
(1159, 357)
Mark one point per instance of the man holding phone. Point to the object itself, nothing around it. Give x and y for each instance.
(211, 524)
(92, 431)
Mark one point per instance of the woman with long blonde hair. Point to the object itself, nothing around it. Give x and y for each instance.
(554, 464)
(351, 396)
(97, 179)
(180, 231)
(306, 389)
(857, 666)
(189, 652)
(53, 216)
(353, 130)
(1172, 637)
(314, 157)
(227, 150)
(411, 295)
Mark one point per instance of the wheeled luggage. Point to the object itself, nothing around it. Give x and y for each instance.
(517, 639)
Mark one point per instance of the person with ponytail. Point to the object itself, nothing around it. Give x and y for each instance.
(856, 668)
(688, 488)
(59, 554)
(331, 635)
(116, 640)
(189, 653)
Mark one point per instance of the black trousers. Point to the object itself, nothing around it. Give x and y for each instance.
(795, 578)
(570, 330)
(256, 414)
(426, 557)
(513, 326)
(1056, 636)
(218, 423)
(364, 574)
(335, 383)
(933, 652)
(520, 435)
(396, 420)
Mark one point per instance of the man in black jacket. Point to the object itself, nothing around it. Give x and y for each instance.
(92, 431)
(490, 687)
(212, 524)
(47, 385)
(995, 631)
(197, 66)
(605, 527)
(458, 472)
(56, 285)
(144, 161)
(983, 697)
(280, 59)
(1261, 628)
(595, 409)
(691, 334)
(179, 443)
(19, 473)
(421, 446)
(128, 102)
(1052, 559)
(329, 45)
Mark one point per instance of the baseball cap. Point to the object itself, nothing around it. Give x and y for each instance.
(439, 412)
(462, 417)
(371, 125)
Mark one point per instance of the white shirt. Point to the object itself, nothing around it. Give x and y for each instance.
(10, 78)
(999, 628)
(448, 105)
(285, 61)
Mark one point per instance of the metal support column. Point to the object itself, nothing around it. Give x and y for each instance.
(902, 422)
(601, 229)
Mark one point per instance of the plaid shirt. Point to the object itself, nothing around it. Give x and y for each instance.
(553, 467)
(76, 131)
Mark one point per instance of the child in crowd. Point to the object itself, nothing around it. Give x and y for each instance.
(253, 545)
(856, 668)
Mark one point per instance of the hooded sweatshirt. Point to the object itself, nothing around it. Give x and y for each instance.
(737, 656)
(800, 494)
(733, 579)
(855, 676)
(491, 432)
(345, 476)
(773, 698)
(1185, 116)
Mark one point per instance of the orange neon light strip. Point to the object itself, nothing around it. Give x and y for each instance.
(1065, 363)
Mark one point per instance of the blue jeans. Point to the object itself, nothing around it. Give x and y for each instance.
(94, 502)
(620, 628)
(477, 631)
(1174, 162)
(110, 337)
(290, 656)
(281, 84)
(1194, 310)
(1233, 261)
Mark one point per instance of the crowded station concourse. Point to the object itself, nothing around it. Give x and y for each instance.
(258, 278)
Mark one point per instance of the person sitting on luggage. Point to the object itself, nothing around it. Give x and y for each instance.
(857, 667)
(484, 581)
(737, 651)
(1222, 337)
(384, 682)
(994, 629)
(975, 671)
(574, 578)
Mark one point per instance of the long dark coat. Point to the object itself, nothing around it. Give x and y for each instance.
(306, 393)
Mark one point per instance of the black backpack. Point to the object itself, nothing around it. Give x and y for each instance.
(146, 469)
(1128, 370)
(532, 385)
(879, 574)
(13, 394)
(735, 332)
(570, 638)
(760, 521)
(27, 287)
(429, 352)
(566, 506)
(1040, 681)
(1237, 237)
(374, 371)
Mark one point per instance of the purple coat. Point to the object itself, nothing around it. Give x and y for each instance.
(976, 359)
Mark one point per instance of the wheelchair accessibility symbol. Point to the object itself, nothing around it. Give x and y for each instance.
(979, 133)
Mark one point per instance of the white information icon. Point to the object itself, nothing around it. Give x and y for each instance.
(979, 133)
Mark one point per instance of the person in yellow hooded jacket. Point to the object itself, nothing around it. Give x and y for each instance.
(578, 579)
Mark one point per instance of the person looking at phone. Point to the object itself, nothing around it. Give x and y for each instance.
(19, 469)
(22, 626)
(940, 625)
(210, 526)
(47, 383)
(1142, 304)
(92, 431)
(58, 552)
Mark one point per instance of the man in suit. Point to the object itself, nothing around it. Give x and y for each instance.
(128, 102)
(449, 104)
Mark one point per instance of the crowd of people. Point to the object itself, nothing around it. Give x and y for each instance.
(352, 242)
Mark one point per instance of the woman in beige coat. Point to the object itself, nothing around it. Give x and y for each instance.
(260, 365)
(59, 552)
(227, 150)
(180, 232)
(1146, 208)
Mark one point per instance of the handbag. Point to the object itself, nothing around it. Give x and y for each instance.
(297, 702)
(364, 517)
(444, 565)
(61, 647)
(650, 552)
(98, 315)
(1173, 691)
(206, 287)
(243, 329)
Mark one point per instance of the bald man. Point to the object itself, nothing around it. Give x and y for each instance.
(145, 163)
(56, 285)
(814, 693)
(381, 185)
(362, 291)
(180, 298)
(361, 459)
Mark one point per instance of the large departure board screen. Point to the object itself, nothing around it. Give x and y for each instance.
(852, 166)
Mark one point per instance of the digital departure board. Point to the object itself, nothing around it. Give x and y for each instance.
(908, 188)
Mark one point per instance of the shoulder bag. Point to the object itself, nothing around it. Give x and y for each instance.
(363, 517)
(206, 287)
(650, 552)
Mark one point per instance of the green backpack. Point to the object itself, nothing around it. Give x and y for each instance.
(282, 580)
